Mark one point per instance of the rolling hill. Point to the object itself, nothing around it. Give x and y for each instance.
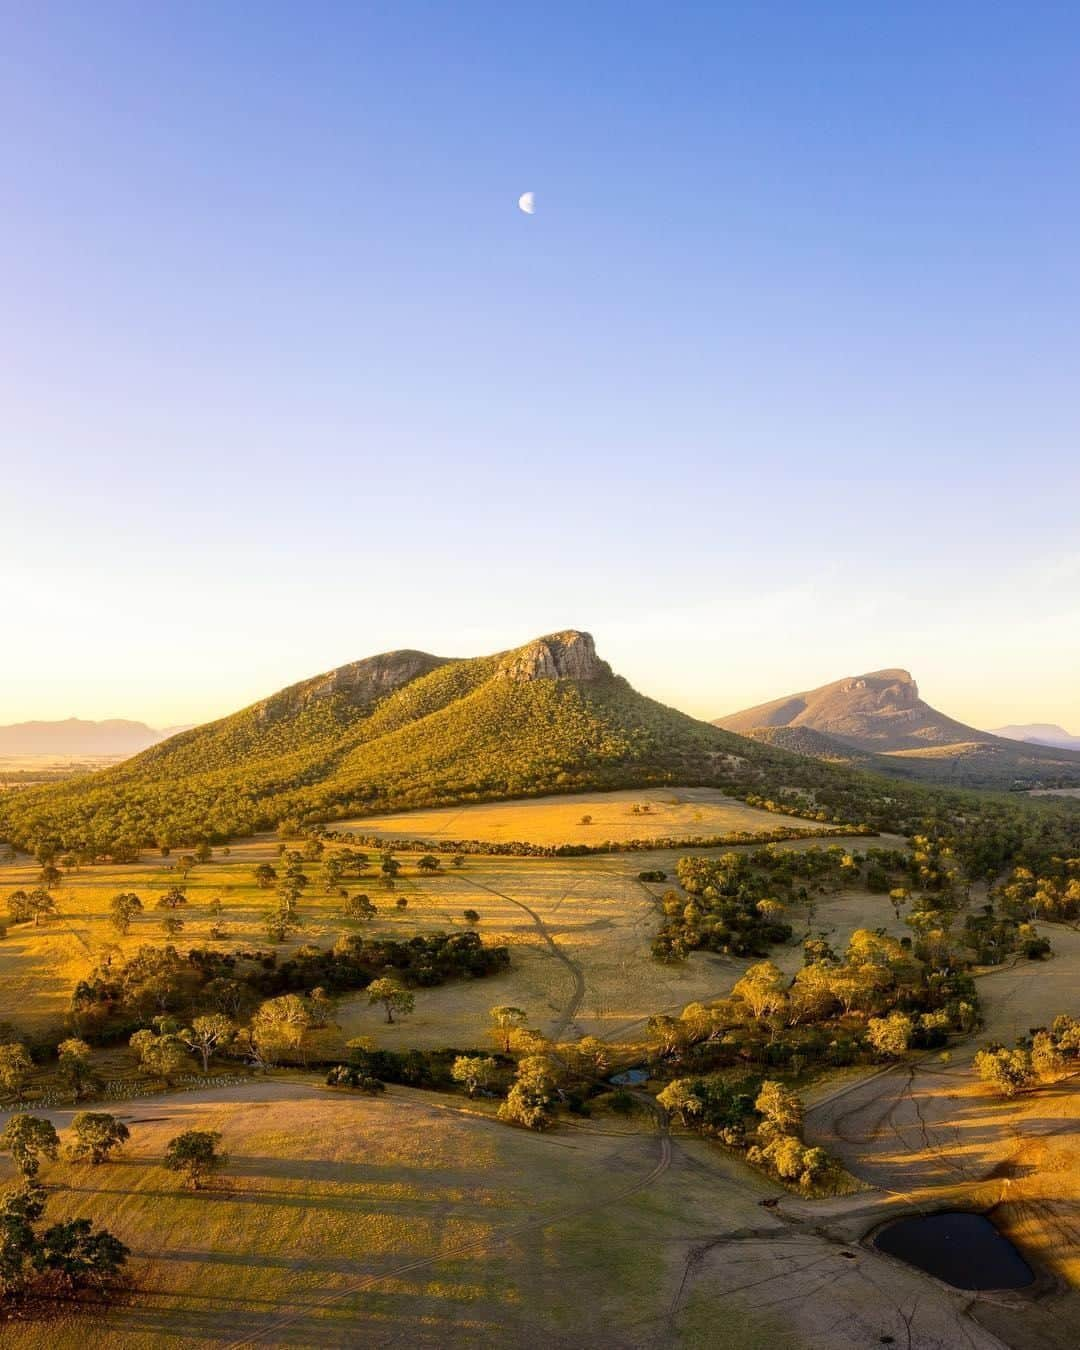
(402, 729)
(878, 722)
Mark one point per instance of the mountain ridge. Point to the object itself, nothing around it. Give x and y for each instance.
(880, 722)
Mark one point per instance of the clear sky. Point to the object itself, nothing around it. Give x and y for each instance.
(779, 384)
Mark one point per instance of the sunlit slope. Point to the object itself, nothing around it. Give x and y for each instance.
(399, 730)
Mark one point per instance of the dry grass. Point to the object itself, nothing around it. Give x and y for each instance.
(673, 813)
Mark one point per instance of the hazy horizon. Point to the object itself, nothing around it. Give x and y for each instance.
(776, 385)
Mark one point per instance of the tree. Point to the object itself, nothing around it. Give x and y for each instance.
(507, 1019)
(360, 907)
(392, 996)
(71, 1253)
(1009, 1071)
(75, 1068)
(458, 860)
(207, 1035)
(172, 924)
(50, 876)
(475, 1072)
(279, 1026)
(529, 1101)
(389, 867)
(890, 1035)
(780, 1106)
(162, 1056)
(122, 909)
(29, 1139)
(202, 852)
(402, 902)
(428, 863)
(95, 1135)
(174, 898)
(282, 923)
(15, 1068)
(40, 905)
(265, 876)
(18, 907)
(762, 989)
(471, 917)
(195, 1156)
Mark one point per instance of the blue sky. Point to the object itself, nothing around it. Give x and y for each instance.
(778, 384)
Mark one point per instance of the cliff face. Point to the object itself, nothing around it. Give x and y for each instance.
(560, 656)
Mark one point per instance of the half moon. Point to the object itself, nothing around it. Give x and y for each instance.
(527, 202)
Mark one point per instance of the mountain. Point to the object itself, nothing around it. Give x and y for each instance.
(1040, 733)
(879, 722)
(402, 729)
(77, 737)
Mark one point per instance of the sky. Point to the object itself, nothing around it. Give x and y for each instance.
(778, 384)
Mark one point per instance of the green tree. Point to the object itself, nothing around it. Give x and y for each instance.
(890, 1035)
(780, 1106)
(1008, 1071)
(195, 1156)
(15, 1068)
(29, 1139)
(507, 1020)
(279, 1027)
(428, 863)
(160, 1055)
(529, 1101)
(392, 996)
(75, 1068)
(475, 1072)
(360, 907)
(94, 1136)
(174, 898)
(207, 1035)
(122, 909)
(265, 876)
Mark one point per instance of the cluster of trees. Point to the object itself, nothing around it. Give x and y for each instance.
(764, 1119)
(1047, 1054)
(1053, 893)
(124, 993)
(878, 999)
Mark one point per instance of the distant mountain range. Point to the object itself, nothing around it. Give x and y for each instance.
(878, 721)
(75, 737)
(1040, 733)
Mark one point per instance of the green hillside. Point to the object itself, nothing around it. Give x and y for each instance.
(403, 729)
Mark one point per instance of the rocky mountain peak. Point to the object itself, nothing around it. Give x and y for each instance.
(570, 655)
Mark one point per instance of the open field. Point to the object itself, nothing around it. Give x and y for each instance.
(579, 930)
(408, 1221)
(672, 813)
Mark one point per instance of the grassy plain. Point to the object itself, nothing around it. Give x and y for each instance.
(579, 929)
(408, 1221)
(672, 813)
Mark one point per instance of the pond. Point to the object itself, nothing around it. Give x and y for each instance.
(630, 1077)
(964, 1250)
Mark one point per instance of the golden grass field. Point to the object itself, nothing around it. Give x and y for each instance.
(414, 1220)
(579, 930)
(673, 813)
(410, 1221)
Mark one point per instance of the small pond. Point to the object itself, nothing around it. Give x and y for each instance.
(630, 1077)
(964, 1250)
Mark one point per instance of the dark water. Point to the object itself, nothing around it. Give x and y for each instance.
(964, 1250)
(630, 1077)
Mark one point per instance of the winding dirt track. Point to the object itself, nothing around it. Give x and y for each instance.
(577, 994)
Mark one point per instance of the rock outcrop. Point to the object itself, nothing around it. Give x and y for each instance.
(559, 656)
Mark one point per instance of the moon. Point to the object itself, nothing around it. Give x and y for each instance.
(527, 202)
